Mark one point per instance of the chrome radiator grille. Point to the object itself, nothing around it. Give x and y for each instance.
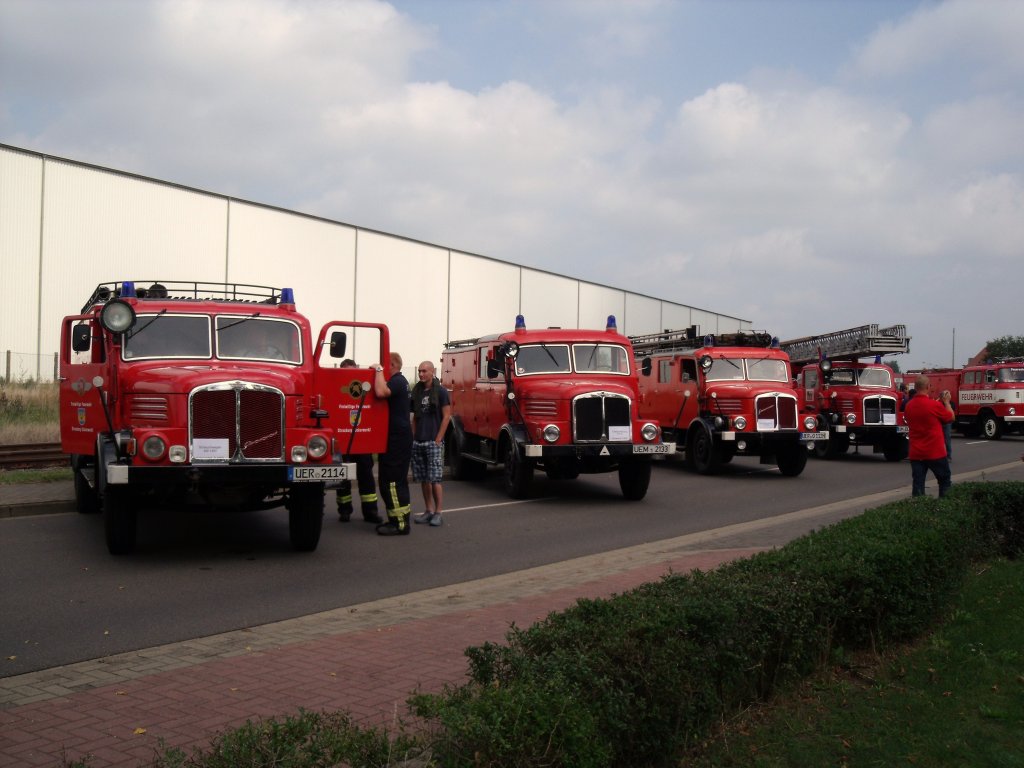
(249, 416)
(594, 414)
(775, 412)
(877, 408)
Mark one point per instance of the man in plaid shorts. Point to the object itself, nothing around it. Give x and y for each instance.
(431, 412)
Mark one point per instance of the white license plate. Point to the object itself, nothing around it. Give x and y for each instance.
(662, 448)
(302, 474)
(807, 437)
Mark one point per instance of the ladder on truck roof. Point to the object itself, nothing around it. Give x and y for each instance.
(690, 338)
(862, 341)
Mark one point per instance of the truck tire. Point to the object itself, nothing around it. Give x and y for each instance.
(791, 459)
(518, 471)
(634, 479)
(991, 426)
(120, 521)
(702, 453)
(896, 448)
(305, 515)
(87, 500)
(462, 468)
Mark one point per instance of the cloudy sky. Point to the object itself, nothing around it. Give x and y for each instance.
(806, 165)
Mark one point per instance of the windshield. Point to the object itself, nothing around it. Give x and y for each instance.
(875, 377)
(543, 358)
(600, 358)
(1011, 374)
(767, 370)
(738, 369)
(257, 338)
(164, 335)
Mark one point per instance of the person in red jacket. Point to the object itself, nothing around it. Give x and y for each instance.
(925, 418)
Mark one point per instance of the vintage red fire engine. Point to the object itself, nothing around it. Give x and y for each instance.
(856, 402)
(212, 394)
(724, 396)
(988, 398)
(562, 400)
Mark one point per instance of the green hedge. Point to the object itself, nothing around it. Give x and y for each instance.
(636, 679)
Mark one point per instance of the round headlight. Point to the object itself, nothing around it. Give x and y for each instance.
(153, 447)
(317, 446)
(117, 316)
(740, 422)
(810, 424)
(851, 418)
(552, 433)
(719, 422)
(1013, 411)
(649, 432)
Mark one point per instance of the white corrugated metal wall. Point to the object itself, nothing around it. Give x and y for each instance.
(67, 226)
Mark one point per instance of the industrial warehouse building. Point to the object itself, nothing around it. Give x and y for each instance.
(67, 226)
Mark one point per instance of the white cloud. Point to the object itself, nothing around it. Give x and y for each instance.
(982, 34)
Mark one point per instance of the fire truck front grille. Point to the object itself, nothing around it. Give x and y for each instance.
(775, 412)
(877, 408)
(540, 409)
(595, 414)
(248, 416)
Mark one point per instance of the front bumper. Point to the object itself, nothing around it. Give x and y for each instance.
(598, 450)
(273, 474)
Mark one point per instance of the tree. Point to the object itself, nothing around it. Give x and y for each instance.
(1006, 346)
(894, 365)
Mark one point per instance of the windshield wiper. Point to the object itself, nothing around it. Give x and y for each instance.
(253, 316)
(136, 331)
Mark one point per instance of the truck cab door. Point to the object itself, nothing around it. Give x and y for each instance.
(81, 369)
(355, 417)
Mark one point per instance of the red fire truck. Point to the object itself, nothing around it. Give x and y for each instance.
(212, 394)
(724, 396)
(988, 398)
(564, 401)
(857, 402)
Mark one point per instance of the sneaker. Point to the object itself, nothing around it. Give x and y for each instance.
(437, 521)
(425, 517)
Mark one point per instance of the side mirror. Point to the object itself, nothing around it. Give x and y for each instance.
(705, 363)
(81, 338)
(826, 370)
(339, 340)
(645, 366)
(510, 350)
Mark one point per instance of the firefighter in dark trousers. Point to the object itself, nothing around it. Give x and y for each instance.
(393, 464)
(367, 490)
(364, 477)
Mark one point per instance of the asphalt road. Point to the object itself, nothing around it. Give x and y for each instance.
(64, 599)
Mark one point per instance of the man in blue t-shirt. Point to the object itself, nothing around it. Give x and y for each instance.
(431, 412)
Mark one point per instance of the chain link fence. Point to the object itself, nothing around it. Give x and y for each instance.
(26, 367)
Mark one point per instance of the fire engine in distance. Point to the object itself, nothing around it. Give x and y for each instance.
(211, 394)
(857, 402)
(988, 398)
(722, 396)
(560, 400)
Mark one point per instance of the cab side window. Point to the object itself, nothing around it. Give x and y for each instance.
(688, 367)
(664, 371)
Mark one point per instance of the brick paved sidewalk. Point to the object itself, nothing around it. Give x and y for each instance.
(365, 660)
